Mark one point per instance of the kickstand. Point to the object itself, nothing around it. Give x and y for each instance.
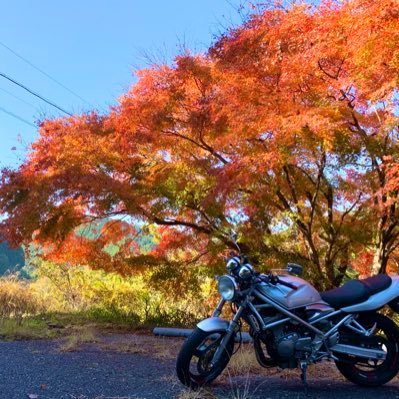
(304, 367)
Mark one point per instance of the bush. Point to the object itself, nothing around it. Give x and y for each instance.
(17, 300)
(113, 316)
(108, 297)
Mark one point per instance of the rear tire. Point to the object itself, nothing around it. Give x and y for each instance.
(386, 337)
(192, 365)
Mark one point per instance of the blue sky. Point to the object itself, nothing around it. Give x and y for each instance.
(92, 48)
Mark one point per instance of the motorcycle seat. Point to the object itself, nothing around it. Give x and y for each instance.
(356, 291)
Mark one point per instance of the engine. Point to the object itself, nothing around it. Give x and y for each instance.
(287, 344)
(291, 345)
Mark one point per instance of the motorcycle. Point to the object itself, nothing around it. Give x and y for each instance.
(292, 325)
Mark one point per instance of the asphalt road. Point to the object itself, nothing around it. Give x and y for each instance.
(144, 370)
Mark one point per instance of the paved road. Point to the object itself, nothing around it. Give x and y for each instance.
(30, 368)
(39, 368)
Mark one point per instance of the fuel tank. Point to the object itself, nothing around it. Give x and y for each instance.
(304, 294)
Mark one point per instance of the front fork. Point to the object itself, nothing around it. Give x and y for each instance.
(218, 310)
(229, 332)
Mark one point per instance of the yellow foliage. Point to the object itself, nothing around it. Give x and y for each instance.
(103, 296)
(17, 300)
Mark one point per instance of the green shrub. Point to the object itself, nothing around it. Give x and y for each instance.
(113, 316)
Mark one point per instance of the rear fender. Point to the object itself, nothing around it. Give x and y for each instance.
(213, 324)
(378, 300)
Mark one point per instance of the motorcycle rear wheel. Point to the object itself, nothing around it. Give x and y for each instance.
(193, 365)
(373, 373)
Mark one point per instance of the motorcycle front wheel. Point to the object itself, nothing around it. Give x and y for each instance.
(193, 365)
(367, 372)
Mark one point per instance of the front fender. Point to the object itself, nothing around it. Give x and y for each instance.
(213, 324)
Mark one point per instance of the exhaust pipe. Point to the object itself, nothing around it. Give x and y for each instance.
(366, 353)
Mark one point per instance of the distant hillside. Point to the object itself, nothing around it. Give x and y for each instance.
(145, 241)
(11, 259)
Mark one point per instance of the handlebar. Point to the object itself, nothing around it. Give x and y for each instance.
(274, 280)
(289, 285)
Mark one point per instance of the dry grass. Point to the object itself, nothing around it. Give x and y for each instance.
(166, 348)
(125, 345)
(105, 397)
(239, 372)
(79, 337)
(16, 299)
(243, 366)
(203, 393)
(13, 329)
(242, 392)
(244, 361)
(325, 369)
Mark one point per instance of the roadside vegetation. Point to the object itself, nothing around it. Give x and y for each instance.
(59, 298)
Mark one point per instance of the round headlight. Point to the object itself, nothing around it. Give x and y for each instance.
(227, 288)
(245, 271)
(233, 263)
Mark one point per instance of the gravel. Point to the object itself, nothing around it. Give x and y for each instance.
(144, 370)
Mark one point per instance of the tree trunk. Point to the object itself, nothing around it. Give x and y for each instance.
(380, 260)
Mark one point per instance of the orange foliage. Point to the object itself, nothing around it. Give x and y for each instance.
(362, 264)
(285, 127)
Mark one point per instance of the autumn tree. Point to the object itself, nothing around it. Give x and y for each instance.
(285, 129)
(325, 82)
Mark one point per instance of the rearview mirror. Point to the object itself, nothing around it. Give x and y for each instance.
(295, 269)
(234, 238)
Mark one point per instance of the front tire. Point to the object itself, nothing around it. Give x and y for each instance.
(193, 362)
(371, 373)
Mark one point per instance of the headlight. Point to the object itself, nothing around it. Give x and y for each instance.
(233, 263)
(245, 271)
(227, 288)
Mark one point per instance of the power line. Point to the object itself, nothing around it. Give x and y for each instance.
(17, 117)
(46, 74)
(19, 98)
(35, 94)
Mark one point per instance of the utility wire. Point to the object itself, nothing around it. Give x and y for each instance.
(19, 98)
(17, 117)
(46, 74)
(34, 93)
